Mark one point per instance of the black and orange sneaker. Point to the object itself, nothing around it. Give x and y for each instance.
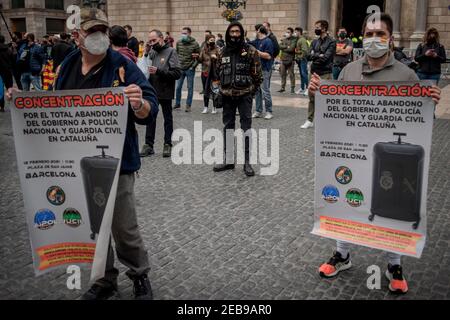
(397, 282)
(335, 265)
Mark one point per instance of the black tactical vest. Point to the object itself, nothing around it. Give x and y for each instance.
(235, 71)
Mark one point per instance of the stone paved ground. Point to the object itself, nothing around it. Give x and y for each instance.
(227, 237)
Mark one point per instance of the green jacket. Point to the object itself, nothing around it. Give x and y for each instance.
(302, 48)
(287, 48)
(185, 49)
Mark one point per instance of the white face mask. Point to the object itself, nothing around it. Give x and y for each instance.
(376, 47)
(97, 43)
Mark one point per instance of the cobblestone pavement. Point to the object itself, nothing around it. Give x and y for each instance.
(224, 236)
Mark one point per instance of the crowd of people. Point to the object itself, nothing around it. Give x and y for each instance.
(235, 71)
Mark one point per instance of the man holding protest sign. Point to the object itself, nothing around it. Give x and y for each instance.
(378, 64)
(95, 65)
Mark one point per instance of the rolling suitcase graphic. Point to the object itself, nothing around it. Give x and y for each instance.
(98, 175)
(397, 181)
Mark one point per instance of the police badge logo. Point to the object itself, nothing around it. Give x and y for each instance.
(386, 181)
(99, 197)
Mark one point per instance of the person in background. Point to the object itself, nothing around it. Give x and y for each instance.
(265, 51)
(287, 47)
(31, 59)
(61, 50)
(273, 38)
(16, 44)
(141, 48)
(132, 43)
(47, 45)
(430, 55)
(208, 53)
(321, 54)
(164, 71)
(6, 70)
(119, 39)
(220, 42)
(207, 34)
(188, 51)
(169, 39)
(301, 53)
(344, 50)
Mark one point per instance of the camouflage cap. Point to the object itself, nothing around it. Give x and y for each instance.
(91, 17)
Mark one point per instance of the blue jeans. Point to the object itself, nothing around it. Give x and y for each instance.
(264, 93)
(425, 76)
(336, 72)
(27, 79)
(303, 68)
(190, 74)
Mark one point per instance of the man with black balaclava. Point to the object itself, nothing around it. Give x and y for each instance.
(238, 74)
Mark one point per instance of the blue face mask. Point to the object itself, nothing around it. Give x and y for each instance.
(184, 37)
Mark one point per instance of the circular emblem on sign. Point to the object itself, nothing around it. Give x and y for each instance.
(354, 197)
(343, 175)
(99, 197)
(56, 195)
(44, 219)
(72, 217)
(330, 194)
(386, 180)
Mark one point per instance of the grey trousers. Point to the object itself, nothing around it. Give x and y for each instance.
(130, 247)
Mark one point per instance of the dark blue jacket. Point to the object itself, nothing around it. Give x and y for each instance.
(37, 57)
(131, 161)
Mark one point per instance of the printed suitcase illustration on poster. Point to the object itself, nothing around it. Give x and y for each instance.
(397, 181)
(98, 175)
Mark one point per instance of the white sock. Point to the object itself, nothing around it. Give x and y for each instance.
(343, 248)
(394, 259)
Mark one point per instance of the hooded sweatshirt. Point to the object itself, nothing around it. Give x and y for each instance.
(237, 53)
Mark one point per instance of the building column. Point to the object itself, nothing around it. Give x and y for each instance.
(303, 8)
(394, 8)
(325, 8)
(421, 23)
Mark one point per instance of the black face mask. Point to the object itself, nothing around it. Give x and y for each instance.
(157, 47)
(432, 40)
(318, 32)
(343, 35)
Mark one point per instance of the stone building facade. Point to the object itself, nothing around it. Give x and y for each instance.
(411, 17)
(37, 16)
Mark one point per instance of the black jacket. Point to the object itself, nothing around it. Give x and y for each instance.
(321, 54)
(133, 44)
(276, 45)
(430, 65)
(59, 52)
(6, 65)
(167, 73)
